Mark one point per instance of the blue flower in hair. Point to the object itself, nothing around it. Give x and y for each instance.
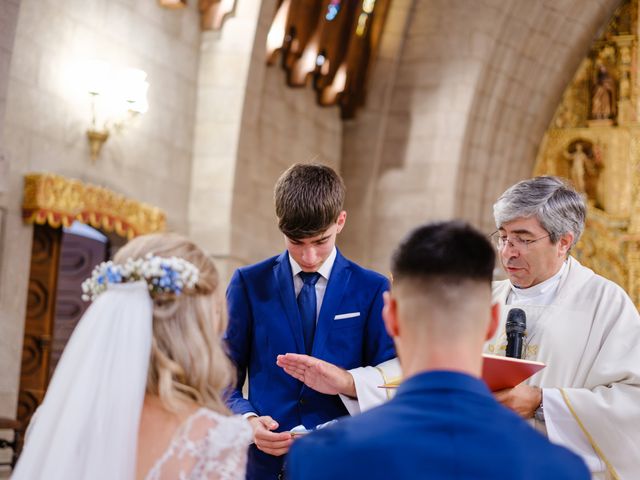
(113, 275)
(163, 275)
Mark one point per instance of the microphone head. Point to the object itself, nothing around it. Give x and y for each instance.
(516, 321)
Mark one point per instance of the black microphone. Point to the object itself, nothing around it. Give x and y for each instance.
(515, 327)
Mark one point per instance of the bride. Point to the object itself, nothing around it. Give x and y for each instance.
(137, 392)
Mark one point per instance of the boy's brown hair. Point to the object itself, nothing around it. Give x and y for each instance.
(308, 198)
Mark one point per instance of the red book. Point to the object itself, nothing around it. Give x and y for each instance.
(506, 372)
(498, 372)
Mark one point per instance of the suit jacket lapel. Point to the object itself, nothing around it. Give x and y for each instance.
(284, 281)
(338, 281)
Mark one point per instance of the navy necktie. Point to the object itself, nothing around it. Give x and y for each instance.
(307, 306)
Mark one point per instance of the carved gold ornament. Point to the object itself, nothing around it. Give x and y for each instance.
(57, 201)
(594, 141)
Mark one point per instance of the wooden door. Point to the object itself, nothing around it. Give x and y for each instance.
(38, 329)
(60, 261)
(78, 255)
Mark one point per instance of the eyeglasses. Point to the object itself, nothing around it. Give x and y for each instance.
(519, 243)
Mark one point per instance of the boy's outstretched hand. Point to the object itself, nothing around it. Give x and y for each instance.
(323, 377)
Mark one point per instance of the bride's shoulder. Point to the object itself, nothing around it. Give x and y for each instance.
(207, 443)
(205, 422)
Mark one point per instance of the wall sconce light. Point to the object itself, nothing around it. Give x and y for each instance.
(117, 98)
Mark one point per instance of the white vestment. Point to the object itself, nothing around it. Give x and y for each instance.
(589, 338)
(368, 381)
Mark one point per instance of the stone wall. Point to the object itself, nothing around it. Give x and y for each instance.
(250, 128)
(223, 83)
(470, 95)
(287, 128)
(8, 22)
(534, 54)
(47, 115)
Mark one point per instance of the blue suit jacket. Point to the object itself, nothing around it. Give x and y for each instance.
(440, 425)
(264, 322)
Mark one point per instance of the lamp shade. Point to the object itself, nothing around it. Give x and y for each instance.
(96, 75)
(133, 88)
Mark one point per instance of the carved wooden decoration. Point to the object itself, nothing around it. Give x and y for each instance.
(213, 13)
(330, 44)
(594, 141)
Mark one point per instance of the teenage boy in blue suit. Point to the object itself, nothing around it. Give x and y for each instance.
(443, 423)
(307, 300)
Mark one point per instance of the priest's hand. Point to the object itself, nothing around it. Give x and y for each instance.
(323, 377)
(269, 442)
(523, 399)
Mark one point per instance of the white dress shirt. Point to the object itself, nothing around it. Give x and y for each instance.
(321, 284)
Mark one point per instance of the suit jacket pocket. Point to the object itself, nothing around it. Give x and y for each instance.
(347, 320)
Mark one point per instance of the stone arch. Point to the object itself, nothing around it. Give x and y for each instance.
(535, 56)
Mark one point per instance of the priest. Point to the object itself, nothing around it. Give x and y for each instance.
(583, 326)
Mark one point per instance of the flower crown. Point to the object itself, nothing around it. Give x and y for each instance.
(163, 275)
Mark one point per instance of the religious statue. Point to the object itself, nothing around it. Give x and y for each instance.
(603, 97)
(578, 159)
(584, 168)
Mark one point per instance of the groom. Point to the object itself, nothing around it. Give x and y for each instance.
(310, 300)
(443, 422)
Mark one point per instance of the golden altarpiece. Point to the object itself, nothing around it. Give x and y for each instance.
(594, 141)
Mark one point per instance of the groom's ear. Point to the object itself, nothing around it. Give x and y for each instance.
(390, 314)
(492, 327)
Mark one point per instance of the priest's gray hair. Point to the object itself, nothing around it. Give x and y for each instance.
(556, 205)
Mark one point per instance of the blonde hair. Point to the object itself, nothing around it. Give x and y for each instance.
(188, 361)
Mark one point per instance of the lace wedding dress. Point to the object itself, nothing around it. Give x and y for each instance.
(206, 446)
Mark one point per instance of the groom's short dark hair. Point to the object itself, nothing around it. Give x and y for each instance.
(449, 252)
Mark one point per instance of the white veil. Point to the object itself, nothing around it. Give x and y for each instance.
(87, 425)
